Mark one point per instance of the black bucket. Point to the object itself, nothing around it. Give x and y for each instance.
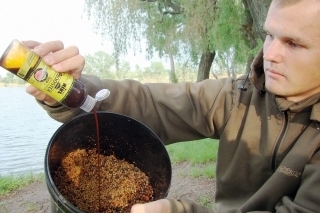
(120, 135)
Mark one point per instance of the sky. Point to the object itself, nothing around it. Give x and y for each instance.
(46, 20)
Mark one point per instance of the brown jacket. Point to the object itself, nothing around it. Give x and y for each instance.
(269, 158)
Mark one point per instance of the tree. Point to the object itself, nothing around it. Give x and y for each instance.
(9, 77)
(186, 72)
(226, 61)
(255, 13)
(139, 72)
(182, 30)
(123, 69)
(156, 71)
(101, 64)
(20, 81)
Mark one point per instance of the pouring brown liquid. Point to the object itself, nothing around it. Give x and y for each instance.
(98, 153)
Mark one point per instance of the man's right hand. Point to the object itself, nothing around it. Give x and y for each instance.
(159, 206)
(60, 59)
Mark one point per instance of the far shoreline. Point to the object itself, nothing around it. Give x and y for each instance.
(12, 85)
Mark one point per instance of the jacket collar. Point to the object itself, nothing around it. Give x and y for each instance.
(257, 78)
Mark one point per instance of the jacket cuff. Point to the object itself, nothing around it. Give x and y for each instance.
(175, 206)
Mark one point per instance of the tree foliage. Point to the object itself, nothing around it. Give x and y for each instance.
(181, 29)
(9, 77)
(119, 21)
(123, 70)
(156, 72)
(100, 63)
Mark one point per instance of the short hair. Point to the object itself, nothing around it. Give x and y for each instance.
(283, 3)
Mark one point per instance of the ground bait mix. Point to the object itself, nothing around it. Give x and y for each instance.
(122, 184)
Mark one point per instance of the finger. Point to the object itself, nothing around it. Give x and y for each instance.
(40, 95)
(61, 55)
(73, 66)
(159, 206)
(31, 44)
(138, 208)
(48, 47)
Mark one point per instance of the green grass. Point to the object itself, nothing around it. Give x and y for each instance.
(9, 183)
(207, 170)
(206, 201)
(201, 154)
(195, 152)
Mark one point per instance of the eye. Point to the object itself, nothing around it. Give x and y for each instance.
(292, 44)
(268, 35)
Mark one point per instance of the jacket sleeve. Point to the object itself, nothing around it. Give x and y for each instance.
(187, 206)
(175, 112)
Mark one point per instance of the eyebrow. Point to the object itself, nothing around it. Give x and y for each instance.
(287, 37)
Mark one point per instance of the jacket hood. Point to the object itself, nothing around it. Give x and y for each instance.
(256, 75)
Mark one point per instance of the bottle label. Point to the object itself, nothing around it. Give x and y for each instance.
(36, 72)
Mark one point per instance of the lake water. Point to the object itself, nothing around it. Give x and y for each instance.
(25, 131)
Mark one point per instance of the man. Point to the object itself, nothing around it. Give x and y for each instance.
(269, 150)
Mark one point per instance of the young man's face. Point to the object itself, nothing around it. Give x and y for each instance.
(292, 50)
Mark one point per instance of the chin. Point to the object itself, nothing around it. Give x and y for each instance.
(276, 90)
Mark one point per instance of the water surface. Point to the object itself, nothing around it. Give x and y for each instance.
(25, 131)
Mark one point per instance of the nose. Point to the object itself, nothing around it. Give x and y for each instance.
(272, 50)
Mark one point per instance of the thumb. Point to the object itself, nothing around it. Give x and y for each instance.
(137, 208)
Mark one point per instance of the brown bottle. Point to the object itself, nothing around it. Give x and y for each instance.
(24, 63)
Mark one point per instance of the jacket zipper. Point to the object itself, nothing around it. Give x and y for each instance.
(275, 152)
